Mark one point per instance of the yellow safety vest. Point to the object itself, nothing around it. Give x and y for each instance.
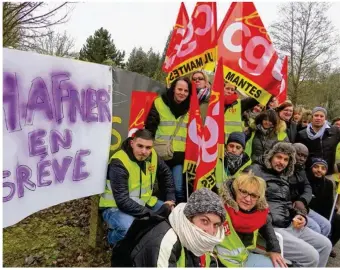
(181, 260)
(336, 175)
(249, 144)
(140, 184)
(220, 165)
(167, 126)
(232, 252)
(233, 120)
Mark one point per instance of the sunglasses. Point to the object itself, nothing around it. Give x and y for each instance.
(198, 79)
(245, 193)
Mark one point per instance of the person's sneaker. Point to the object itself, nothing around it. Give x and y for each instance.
(333, 254)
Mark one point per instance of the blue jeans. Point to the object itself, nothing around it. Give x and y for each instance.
(177, 172)
(318, 223)
(258, 260)
(119, 222)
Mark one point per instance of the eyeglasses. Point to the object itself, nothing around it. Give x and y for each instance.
(245, 193)
(198, 79)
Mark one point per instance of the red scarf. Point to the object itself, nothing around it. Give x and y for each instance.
(247, 222)
(230, 99)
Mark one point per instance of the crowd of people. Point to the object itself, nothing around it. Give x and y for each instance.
(280, 171)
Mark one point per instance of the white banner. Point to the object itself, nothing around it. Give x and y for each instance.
(56, 131)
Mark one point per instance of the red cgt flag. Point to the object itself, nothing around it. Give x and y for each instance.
(197, 48)
(212, 140)
(282, 96)
(247, 52)
(177, 34)
(194, 133)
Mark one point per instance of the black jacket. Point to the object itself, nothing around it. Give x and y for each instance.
(152, 122)
(153, 251)
(300, 189)
(324, 147)
(266, 231)
(277, 195)
(291, 131)
(246, 104)
(323, 200)
(119, 175)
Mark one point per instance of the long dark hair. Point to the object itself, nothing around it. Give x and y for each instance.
(269, 115)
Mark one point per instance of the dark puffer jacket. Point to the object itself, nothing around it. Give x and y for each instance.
(152, 121)
(119, 175)
(324, 147)
(300, 189)
(266, 231)
(278, 192)
(263, 143)
(291, 131)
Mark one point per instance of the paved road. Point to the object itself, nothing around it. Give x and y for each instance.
(335, 262)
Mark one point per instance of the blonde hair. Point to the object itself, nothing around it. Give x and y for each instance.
(203, 73)
(249, 179)
(307, 116)
(299, 109)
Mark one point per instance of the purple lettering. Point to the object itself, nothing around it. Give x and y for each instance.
(59, 94)
(35, 141)
(9, 185)
(91, 103)
(11, 99)
(57, 139)
(75, 106)
(103, 99)
(78, 164)
(24, 174)
(38, 99)
(42, 173)
(60, 171)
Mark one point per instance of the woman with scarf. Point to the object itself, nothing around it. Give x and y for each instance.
(267, 130)
(285, 112)
(203, 88)
(247, 216)
(192, 230)
(168, 114)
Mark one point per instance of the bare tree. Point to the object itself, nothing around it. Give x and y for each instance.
(23, 22)
(304, 31)
(56, 44)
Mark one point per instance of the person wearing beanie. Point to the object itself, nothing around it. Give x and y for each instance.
(192, 230)
(323, 199)
(247, 214)
(301, 193)
(320, 139)
(301, 244)
(235, 159)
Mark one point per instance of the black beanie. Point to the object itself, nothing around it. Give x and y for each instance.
(238, 137)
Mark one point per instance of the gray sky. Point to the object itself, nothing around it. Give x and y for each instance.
(147, 24)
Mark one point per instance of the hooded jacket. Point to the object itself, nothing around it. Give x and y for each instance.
(152, 121)
(324, 147)
(278, 192)
(262, 143)
(267, 231)
(119, 175)
(300, 188)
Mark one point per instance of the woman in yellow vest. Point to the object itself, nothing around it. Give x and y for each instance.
(167, 120)
(247, 216)
(267, 130)
(285, 112)
(192, 230)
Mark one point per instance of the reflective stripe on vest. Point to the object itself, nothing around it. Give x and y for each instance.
(140, 190)
(167, 126)
(233, 120)
(232, 252)
(249, 144)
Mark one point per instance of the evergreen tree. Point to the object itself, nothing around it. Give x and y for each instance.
(100, 48)
(138, 61)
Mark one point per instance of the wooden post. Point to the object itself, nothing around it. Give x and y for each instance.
(96, 224)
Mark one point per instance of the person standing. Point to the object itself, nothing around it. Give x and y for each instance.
(285, 112)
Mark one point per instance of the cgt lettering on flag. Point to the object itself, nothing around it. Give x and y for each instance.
(193, 64)
(246, 85)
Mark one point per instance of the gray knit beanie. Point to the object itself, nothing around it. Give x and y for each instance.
(319, 109)
(204, 201)
(301, 148)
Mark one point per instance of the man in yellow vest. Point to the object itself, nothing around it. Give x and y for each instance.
(128, 194)
(234, 108)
